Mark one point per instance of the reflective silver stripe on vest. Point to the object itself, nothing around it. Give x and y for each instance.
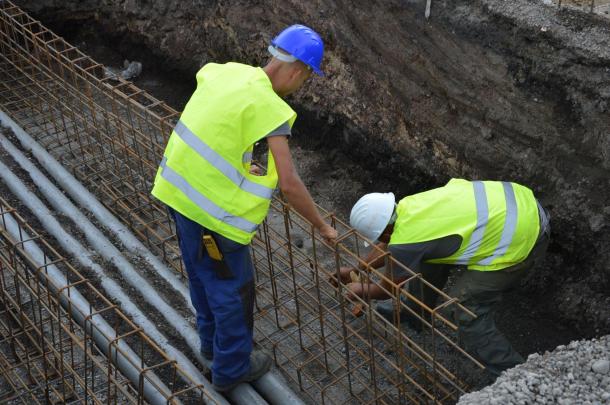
(220, 163)
(544, 218)
(510, 225)
(202, 202)
(247, 157)
(480, 197)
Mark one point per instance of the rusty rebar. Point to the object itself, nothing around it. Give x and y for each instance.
(111, 136)
(591, 5)
(41, 339)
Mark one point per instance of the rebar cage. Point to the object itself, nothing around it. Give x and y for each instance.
(111, 135)
(48, 357)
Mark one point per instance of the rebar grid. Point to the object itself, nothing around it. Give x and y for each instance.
(111, 135)
(102, 128)
(46, 356)
(563, 3)
(322, 346)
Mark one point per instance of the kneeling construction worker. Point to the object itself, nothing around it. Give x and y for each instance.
(496, 231)
(217, 198)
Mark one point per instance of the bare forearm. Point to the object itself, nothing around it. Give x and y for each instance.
(373, 291)
(298, 196)
(294, 190)
(374, 258)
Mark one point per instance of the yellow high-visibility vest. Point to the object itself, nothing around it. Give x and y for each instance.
(498, 222)
(204, 171)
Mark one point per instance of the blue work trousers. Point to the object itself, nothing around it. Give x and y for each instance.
(223, 298)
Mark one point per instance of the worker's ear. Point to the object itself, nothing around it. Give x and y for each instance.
(295, 71)
(299, 71)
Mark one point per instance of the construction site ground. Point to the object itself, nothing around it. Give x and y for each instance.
(469, 374)
(336, 181)
(339, 161)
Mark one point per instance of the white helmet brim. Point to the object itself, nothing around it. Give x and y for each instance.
(372, 213)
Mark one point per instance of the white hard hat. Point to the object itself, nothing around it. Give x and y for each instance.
(372, 213)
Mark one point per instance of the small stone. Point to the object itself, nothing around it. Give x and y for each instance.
(596, 222)
(601, 366)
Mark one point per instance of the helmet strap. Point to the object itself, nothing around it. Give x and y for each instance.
(277, 54)
(394, 216)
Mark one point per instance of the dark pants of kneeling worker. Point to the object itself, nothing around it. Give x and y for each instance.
(480, 292)
(224, 300)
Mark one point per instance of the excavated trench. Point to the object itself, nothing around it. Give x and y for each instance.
(484, 89)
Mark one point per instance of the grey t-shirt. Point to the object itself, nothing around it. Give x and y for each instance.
(283, 129)
(413, 255)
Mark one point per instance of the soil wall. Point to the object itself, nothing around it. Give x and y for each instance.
(484, 89)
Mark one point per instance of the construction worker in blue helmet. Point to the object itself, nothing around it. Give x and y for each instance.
(218, 197)
(492, 232)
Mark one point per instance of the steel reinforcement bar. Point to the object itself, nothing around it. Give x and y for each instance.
(561, 3)
(111, 135)
(50, 348)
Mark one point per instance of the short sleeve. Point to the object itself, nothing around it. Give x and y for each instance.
(413, 255)
(410, 255)
(283, 129)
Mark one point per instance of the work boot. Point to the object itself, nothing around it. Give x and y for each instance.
(260, 363)
(387, 311)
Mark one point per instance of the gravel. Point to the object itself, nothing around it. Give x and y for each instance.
(578, 373)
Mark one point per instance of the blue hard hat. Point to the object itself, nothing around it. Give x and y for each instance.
(304, 44)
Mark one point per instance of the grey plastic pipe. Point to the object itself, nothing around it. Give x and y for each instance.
(123, 357)
(84, 257)
(271, 386)
(244, 394)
